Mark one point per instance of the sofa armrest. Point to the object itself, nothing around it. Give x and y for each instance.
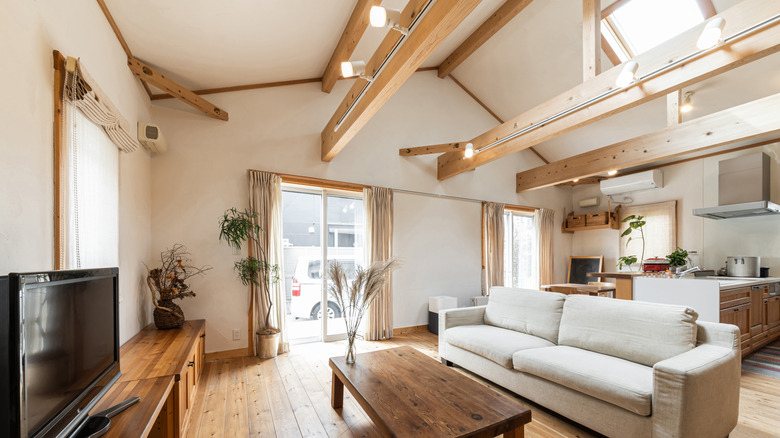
(697, 393)
(456, 317)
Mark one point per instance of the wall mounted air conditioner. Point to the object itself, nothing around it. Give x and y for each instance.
(151, 138)
(632, 183)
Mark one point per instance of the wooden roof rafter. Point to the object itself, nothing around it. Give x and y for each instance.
(353, 31)
(718, 129)
(148, 75)
(436, 22)
(758, 44)
(484, 32)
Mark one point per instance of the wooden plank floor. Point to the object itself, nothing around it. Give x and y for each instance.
(289, 396)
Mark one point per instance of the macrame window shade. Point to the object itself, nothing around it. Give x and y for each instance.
(93, 133)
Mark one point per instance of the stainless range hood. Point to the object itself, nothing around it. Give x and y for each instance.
(745, 209)
(743, 189)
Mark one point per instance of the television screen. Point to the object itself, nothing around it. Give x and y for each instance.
(62, 348)
(69, 342)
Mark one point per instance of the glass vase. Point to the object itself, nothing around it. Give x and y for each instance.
(349, 358)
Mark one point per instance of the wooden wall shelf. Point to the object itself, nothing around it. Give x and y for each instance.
(613, 221)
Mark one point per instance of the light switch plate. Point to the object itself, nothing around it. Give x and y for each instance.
(236, 334)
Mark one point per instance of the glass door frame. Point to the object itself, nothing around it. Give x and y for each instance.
(324, 193)
(324, 245)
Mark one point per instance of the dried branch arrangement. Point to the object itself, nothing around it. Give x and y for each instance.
(169, 282)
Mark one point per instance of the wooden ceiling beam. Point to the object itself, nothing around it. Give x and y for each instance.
(436, 149)
(591, 39)
(718, 129)
(484, 32)
(438, 21)
(150, 75)
(759, 44)
(356, 26)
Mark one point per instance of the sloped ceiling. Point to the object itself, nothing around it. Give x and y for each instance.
(538, 55)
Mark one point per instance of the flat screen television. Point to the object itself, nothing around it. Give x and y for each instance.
(59, 348)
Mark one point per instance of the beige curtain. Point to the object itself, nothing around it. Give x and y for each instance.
(493, 241)
(265, 198)
(544, 220)
(378, 203)
(82, 91)
(660, 229)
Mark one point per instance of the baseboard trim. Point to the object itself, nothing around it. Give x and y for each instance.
(226, 354)
(412, 329)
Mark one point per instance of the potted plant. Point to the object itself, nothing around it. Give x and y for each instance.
(678, 259)
(635, 223)
(167, 283)
(236, 228)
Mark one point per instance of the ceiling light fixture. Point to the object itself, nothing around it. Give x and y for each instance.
(612, 173)
(355, 68)
(575, 180)
(469, 150)
(710, 36)
(384, 17)
(628, 75)
(687, 106)
(377, 70)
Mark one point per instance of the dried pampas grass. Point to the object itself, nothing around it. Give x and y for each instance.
(355, 298)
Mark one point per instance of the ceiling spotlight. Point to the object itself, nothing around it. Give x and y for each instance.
(384, 17)
(353, 68)
(710, 36)
(469, 150)
(612, 173)
(627, 76)
(687, 106)
(575, 180)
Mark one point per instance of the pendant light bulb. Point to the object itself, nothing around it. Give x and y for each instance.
(711, 34)
(687, 106)
(627, 76)
(469, 150)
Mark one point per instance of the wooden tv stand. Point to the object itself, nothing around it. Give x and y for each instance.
(163, 368)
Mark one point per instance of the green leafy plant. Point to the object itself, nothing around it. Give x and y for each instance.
(627, 261)
(239, 227)
(678, 258)
(635, 223)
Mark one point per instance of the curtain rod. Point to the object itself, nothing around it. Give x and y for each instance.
(340, 185)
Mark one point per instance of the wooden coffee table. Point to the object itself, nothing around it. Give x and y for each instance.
(407, 393)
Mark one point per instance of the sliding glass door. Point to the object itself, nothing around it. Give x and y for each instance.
(319, 226)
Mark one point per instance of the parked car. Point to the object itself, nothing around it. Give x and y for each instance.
(305, 302)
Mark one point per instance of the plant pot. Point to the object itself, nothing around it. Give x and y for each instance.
(267, 345)
(164, 319)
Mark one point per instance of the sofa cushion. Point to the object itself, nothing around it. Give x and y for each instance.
(525, 310)
(641, 332)
(620, 382)
(494, 343)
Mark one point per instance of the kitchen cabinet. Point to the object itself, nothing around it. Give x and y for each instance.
(740, 317)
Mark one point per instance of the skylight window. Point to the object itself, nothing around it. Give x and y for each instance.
(637, 26)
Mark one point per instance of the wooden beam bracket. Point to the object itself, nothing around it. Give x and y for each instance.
(150, 75)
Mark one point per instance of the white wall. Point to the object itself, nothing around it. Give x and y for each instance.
(694, 184)
(29, 32)
(278, 129)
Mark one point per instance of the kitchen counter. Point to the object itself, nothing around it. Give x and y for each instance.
(729, 283)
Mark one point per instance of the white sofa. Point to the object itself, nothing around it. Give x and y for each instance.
(621, 368)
